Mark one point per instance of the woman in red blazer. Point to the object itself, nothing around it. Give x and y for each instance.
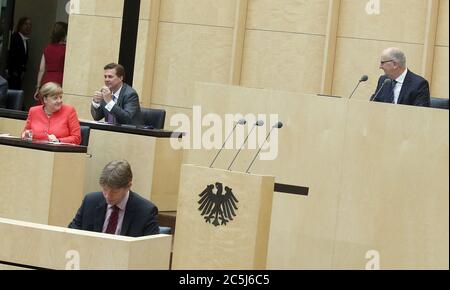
(53, 121)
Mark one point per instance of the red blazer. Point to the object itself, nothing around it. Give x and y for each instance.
(63, 124)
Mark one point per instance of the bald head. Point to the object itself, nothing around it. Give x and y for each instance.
(395, 54)
(393, 62)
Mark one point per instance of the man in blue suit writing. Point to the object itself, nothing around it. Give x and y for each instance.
(116, 209)
(404, 87)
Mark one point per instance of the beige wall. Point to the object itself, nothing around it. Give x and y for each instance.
(285, 46)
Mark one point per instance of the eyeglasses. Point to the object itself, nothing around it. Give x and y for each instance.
(385, 61)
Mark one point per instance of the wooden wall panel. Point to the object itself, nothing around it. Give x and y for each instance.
(145, 11)
(105, 8)
(301, 16)
(439, 86)
(92, 42)
(398, 21)
(170, 111)
(442, 31)
(139, 74)
(189, 53)
(202, 12)
(286, 61)
(386, 205)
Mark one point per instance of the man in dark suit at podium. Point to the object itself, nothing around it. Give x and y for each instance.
(117, 210)
(404, 87)
(116, 101)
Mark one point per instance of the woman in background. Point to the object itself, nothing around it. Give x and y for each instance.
(53, 121)
(51, 68)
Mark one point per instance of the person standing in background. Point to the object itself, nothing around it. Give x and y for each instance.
(51, 68)
(18, 53)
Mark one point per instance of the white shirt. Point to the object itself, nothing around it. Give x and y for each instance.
(24, 39)
(398, 85)
(122, 206)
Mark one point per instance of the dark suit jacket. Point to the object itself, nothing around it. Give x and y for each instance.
(415, 91)
(18, 57)
(139, 219)
(126, 110)
(3, 92)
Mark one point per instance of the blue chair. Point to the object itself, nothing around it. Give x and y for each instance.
(153, 118)
(439, 103)
(85, 132)
(14, 99)
(165, 230)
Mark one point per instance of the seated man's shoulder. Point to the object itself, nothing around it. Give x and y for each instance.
(129, 89)
(416, 76)
(142, 203)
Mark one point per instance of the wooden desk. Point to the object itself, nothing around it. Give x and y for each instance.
(30, 245)
(155, 165)
(377, 175)
(12, 121)
(41, 182)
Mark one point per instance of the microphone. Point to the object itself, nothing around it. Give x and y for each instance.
(277, 125)
(258, 123)
(362, 79)
(240, 122)
(385, 82)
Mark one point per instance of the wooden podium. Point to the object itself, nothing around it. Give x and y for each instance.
(40, 182)
(27, 245)
(223, 219)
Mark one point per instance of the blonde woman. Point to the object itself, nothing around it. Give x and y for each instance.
(53, 121)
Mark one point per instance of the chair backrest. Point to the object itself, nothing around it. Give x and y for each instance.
(85, 132)
(165, 230)
(14, 100)
(439, 103)
(153, 117)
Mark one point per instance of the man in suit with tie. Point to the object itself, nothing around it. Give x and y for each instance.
(18, 53)
(117, 210)
(116, 101)
(405, 87)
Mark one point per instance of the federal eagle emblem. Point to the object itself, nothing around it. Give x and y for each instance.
(217, 206)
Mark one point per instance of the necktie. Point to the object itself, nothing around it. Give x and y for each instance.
(391, 94)
(113, 219)
(110, 117)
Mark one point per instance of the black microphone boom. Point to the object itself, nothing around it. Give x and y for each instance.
(362, 79)
(240, 122)
(258, 123)
(385, 82)
(277, 125)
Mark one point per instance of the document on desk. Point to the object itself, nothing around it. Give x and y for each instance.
(95, 122)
